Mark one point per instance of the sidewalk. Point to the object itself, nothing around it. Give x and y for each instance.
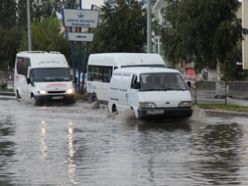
(7, 95)
(239, 102)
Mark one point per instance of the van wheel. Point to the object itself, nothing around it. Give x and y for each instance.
(34, 101)
(114, 109)
(18, 97)
(92, 98)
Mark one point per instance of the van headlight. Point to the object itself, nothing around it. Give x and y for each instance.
(42, 92)
(147, 105)
(70, 91)
(185, 104)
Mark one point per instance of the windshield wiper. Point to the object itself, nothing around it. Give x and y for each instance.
(179, 89)
(56, 79)
(61, 79)
(182, 89)
(48, 79)
(155, 89)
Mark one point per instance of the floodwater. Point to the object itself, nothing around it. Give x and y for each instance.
(82, 145)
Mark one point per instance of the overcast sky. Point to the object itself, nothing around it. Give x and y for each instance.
(87, 3)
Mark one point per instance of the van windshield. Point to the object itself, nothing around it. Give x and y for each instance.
(162, 82)
(50, 74)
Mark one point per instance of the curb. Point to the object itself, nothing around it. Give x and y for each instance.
(220, 113)
(2, 93)
(227, 114)
(7, 95)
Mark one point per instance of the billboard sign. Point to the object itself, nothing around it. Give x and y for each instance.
(80, 18)
(80, 36)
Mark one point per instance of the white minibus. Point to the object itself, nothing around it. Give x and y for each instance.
(101, 67)
(149, 92)
(41, 76)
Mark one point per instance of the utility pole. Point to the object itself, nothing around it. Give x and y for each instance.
(29, 26)
(149, 31)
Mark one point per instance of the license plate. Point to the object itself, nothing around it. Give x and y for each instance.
(57, 97)
(154, 112)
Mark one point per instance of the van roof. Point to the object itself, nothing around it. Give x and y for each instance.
(140, 70)
(127, 58)
(41, 59)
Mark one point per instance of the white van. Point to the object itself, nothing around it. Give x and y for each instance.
(42, 76)
(101, 67)
(149, 92)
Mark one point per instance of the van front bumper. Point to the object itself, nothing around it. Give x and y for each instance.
(165, 112)
(55, 97)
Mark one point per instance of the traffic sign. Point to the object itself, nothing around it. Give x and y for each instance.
(80, 36)
(80, 18)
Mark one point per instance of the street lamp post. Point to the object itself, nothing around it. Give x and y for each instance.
(149, 31)
(29, 26)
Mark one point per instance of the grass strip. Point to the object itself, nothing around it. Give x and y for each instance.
(223, 107)
(6, 90)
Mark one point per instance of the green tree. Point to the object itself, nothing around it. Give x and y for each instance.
(9, 45)
(41, 9)
(21, 13)
(7, 13)
(47, 8)
(122, 28)
(205, 32)
(47, 36)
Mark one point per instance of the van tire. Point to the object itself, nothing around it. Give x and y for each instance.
(92, 98)
(114, 109)
(18, 97)
(34, 101)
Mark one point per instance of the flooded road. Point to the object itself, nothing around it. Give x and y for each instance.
(80, 145)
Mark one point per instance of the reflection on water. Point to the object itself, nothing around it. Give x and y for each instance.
(71, 151)
(168, 125)
(78, 145)
(218, 149)
(7, 147)
(43, 146)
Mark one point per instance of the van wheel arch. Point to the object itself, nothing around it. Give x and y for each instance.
(34, 101)
(92, 97)
(18, 97)
(136, 114)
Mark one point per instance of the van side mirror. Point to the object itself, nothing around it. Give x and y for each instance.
(136, 85)
(28, 80)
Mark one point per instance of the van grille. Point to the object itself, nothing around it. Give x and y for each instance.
(56, 92)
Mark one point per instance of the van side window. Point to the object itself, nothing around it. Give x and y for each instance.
(99, 73)
(134, 81)
(22, 65)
